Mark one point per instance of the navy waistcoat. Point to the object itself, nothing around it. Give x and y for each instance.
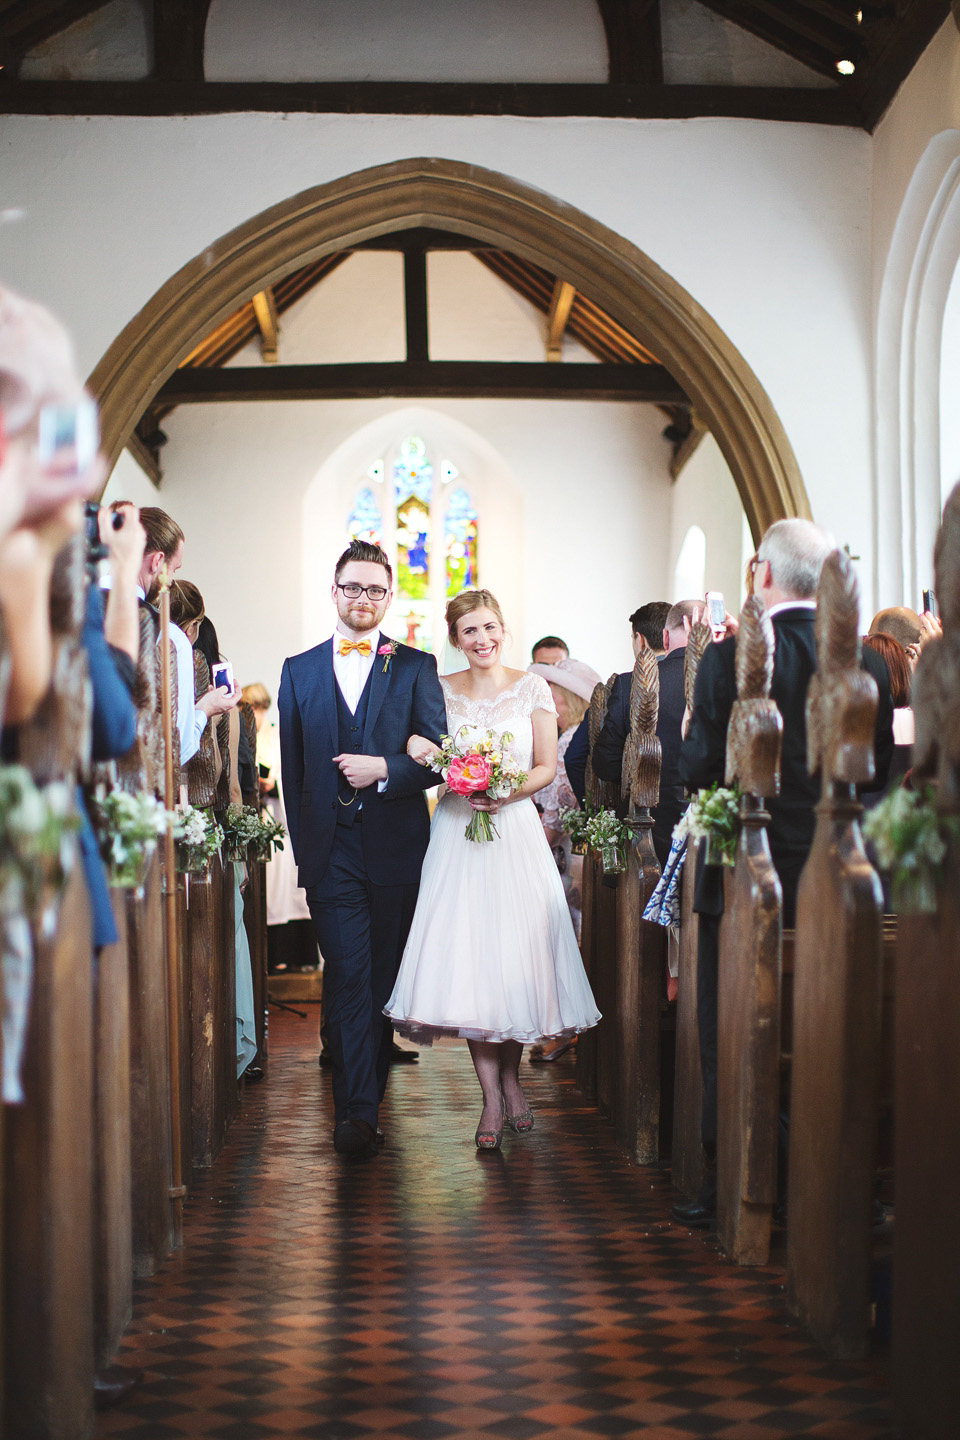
(350, 740)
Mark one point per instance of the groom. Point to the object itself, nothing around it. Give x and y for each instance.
(358, 820)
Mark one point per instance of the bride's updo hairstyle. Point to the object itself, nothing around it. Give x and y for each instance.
(465, 603)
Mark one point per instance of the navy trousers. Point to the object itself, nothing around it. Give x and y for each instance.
(361, 929)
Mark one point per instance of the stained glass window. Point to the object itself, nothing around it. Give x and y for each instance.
(365, 522)
(460, 538)
(413, 480)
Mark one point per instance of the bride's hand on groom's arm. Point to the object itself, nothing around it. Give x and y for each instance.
(362, 770)
(421, 750)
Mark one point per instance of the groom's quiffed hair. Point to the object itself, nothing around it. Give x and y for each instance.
(364, 550)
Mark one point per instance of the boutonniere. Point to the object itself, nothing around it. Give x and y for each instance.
(388, 650)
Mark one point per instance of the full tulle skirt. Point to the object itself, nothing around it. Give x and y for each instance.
(492, 953)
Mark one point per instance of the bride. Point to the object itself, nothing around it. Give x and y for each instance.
(492, 955)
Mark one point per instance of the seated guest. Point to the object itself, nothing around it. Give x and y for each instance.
(647, 626)
(39, 504)
(786, 575)
(608, 751)
(900, 671)
(549, 650)
(571, 685)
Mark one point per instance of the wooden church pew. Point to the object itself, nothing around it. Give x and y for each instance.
(597, 931)
(837, 998)
(113, 1236)
(47, 1282)
(687, 1158)
(748, 1010)
(641, 946)
(926, 1314)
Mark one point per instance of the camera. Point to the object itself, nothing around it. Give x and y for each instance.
(68, 435)
(96, 550)
(716, 611)
(222, 676)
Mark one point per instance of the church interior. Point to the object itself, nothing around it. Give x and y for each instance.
(571, 300)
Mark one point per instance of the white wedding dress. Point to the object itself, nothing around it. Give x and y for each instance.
(492, 954)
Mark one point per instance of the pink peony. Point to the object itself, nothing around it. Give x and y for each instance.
(469, 774)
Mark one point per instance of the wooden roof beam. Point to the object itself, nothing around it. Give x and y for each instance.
(446, 379)
(634, 43)
(557, 316)
(774, 24)
(265, 311)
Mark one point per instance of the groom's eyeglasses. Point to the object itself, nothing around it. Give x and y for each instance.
(353, 591)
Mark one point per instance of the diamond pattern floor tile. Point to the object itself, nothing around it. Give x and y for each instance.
(537, 1294)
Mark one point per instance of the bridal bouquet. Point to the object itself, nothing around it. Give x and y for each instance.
(479, 767)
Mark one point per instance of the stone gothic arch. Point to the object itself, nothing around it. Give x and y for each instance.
(486, 205)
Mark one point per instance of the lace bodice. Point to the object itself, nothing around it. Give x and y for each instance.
(511, 711)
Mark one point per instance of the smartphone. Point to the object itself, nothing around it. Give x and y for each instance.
(716, 610)
(222, 676)
(930, 602)
(68, 435)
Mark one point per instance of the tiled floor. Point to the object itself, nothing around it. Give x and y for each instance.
(431, 1292)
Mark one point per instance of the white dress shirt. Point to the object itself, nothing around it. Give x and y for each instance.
(791, 605)
(352, 671)
(191, 722)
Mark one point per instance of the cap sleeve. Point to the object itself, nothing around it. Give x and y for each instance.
(539, 696)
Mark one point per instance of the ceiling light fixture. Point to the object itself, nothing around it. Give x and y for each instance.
(846, 67)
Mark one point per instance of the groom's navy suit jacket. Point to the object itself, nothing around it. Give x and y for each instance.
(403, 701)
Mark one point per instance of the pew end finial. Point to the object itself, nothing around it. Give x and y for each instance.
(842, 698)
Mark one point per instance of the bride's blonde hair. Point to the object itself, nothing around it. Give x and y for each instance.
(465, 603)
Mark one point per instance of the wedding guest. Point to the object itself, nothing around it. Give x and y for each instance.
(165, 544)
(549, 650)
(39, 503)
(647, 626)
(571, 685)
(291, 942)
(900, 671)
(608, 750)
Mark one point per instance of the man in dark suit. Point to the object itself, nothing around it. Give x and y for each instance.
(358, 820)
(608, 751)
(786, 573)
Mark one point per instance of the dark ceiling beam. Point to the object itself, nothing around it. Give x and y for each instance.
(773, 24)
(634, 42)
(422, 237)
(821, 32)
(446, 379)
(178, 31)
(665, 102)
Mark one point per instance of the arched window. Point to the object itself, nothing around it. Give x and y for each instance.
(689, 576)
(413, 481)
(365, 522)
(460, 539)
(428, 525)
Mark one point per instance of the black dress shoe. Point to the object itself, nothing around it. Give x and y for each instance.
(355, 1137)
(399, 1056)
(381, 1138)
(699, 1214)
(114, 1384)
(324, 1059)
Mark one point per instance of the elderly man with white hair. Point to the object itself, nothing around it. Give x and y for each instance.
(786, 573)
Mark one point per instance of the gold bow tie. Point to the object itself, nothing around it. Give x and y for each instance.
(362, 646)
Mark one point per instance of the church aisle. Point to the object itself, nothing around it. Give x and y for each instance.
(539, 1294)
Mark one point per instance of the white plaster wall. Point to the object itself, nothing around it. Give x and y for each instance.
(704, 494)
(768, 230)
(475, 316)
(927, 103)
(950, 393)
